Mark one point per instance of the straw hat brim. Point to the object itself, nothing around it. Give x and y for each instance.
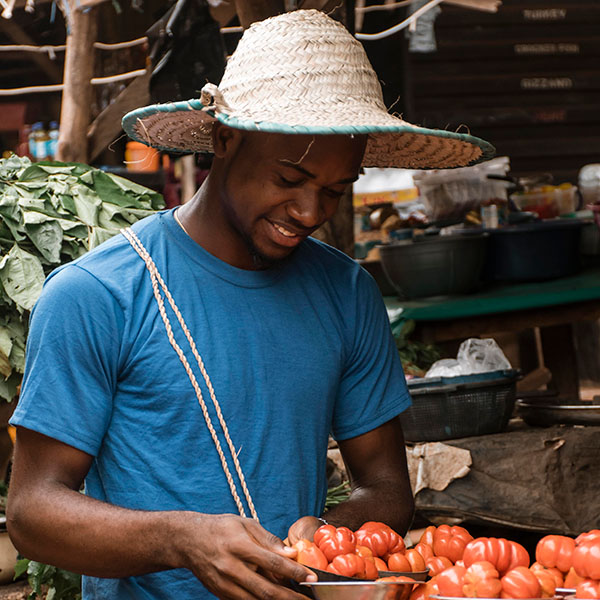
(185, 126)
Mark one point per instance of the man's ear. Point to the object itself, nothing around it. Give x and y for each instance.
(225, 140)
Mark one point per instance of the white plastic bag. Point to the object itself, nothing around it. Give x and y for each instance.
(474, 356)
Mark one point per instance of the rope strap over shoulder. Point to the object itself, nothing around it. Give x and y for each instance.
(158, 284)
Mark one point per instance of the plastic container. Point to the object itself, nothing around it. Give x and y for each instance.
(534, 251)
(139, 157)
(434, 266)
(454, 407)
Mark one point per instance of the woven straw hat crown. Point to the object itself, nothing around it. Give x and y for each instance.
(302, 72)
(302, 68)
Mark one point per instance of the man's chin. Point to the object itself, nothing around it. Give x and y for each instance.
(265, 260)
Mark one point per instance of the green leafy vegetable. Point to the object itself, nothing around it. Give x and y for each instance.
(416, 356)
(49, 582)
(50, 214)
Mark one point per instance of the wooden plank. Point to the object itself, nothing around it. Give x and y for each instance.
(107, 125)
(508, 84)
(484, 325)
(510, 47)
(77, 93)
(557, 66)
(528, 13)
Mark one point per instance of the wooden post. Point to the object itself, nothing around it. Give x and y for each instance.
(75, 114)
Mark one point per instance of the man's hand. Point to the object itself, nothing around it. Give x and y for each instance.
(236, 558)
(303, 528)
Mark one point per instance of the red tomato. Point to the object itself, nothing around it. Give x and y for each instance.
(437, 564)
(572, 580)
(586, 558)
(547, 582)
(371, 571)
(398, 579)
(427, 537)
(588, 589)
(450, 582)
(424, 550)
(481, 580)
(520, 582)
(503, 554)
(310, 555)
(555, 551)
(592, 534)
(350, 565)
(399, 563)
(380, 564)
(379, 537)
(450, 541)
(559, 578)
(333, 541)
(417, 562)
(424, 590)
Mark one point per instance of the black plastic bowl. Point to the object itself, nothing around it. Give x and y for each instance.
(435, 266)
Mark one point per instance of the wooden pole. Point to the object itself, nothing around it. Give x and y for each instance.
(75, 114)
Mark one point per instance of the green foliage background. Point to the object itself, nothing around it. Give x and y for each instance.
(50, 214)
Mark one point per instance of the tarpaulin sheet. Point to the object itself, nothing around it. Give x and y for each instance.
(535, 479)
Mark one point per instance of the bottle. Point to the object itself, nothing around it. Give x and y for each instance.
(31, 139)
(23, 145)
(52, 143)
(40, 139)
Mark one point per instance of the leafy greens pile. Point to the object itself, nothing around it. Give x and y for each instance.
(50, 214)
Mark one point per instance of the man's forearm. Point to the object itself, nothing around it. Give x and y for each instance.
(387, 502)
(62, 527)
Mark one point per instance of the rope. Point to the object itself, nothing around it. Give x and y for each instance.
(156, 281)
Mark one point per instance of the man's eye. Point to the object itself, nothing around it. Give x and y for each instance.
(333, 193)
(290, 182)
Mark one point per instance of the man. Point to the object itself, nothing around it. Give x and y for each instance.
(213, 348)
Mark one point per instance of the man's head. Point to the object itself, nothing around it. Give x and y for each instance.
(275, 190)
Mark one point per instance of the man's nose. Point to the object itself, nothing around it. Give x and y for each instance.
(306, 208)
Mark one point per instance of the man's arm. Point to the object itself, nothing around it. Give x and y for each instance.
(376, 465)
(49, 520)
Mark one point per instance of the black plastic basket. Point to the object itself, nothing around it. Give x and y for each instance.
(445, 410)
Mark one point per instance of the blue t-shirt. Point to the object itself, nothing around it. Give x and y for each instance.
(295, 352)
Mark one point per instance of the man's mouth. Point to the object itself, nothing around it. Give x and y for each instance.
(287, 237)
(284, 231)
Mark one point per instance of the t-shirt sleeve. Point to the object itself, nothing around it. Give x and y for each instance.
(373, 387)
(72, 359)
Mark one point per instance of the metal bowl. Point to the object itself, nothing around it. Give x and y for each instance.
(416, 575)
(359, 590)
(546, 414)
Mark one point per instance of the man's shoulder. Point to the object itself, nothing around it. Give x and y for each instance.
(111, 265)
(333, 264)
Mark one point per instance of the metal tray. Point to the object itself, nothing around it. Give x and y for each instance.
(547, 413)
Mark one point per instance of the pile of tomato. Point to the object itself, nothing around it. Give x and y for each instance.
(459, 565)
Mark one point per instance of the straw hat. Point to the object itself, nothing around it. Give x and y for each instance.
(302, 72)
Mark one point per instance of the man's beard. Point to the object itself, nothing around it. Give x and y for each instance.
(259, 260)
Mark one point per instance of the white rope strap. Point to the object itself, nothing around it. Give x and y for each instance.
(157, 280)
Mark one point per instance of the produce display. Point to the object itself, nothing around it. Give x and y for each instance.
(458, 565)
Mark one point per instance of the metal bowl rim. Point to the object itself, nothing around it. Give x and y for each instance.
(363, 583)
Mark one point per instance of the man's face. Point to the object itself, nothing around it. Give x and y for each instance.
(279, 188)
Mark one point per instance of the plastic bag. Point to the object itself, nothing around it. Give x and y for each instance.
(474, 356)
(452, 193)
